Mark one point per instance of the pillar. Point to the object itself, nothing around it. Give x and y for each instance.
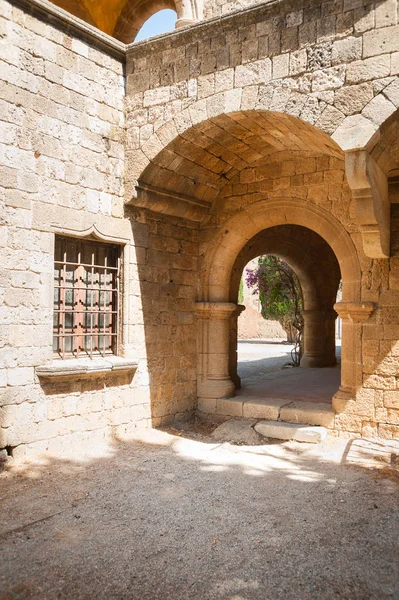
(353, 314)
(213, 376)
(185, 16)
(233, 362)
(318, 338)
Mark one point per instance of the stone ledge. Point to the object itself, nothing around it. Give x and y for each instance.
(85, 367)
(69, 23)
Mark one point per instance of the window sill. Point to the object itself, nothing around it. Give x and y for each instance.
(85, 367)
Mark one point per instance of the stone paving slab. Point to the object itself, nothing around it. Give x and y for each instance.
(290, 431)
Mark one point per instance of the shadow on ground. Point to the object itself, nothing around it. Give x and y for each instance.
(177, 516)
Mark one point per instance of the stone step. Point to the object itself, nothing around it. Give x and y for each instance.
(271, 409)
(290, 431)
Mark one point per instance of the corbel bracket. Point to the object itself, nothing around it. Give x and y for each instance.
(369, 186)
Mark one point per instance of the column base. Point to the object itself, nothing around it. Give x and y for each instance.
(216, 388)
(341, 398)
(316, 360)
(184, 22)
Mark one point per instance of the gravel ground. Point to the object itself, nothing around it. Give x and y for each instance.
(175, 516)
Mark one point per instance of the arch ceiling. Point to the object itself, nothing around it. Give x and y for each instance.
(204, 159)
(121, 19)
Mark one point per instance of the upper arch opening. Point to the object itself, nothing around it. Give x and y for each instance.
(160, 22)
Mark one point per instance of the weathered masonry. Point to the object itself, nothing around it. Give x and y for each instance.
(137, 180)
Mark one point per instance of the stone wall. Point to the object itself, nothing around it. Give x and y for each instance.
(332, 64)
(163, 311)
(62, 161)
(198, 105)
(226, 125)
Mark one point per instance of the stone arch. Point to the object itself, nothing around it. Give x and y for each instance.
(135, 14)
(228, 112)
(363, 130)
(318, 272)
(240, 228)
(217, 312)
(337, 132)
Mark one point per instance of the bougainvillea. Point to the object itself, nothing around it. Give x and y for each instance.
(280, 296)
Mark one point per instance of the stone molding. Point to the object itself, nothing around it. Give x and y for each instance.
(169, 203)
(217, 310)
(357, 312)
(66, 369)
(369, 186)
(91, 231)
(68, 23)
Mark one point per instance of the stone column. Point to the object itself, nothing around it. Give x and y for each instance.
(233, 339)
(318, 338)
(185, 16)
(213, 376)
(353, 314)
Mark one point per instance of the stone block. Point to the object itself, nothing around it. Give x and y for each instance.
(346, 50)
(266, 408)
(352, 99)
(369, 69)
(280, 66)
(379, 109)
(253, 74)
(309, 413)
(391, 399)
(20, 376)
(386, 13)
(231, 407)
(381, 41)
(288, 431)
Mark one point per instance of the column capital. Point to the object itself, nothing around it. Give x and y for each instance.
(357, 312)
(217, 310)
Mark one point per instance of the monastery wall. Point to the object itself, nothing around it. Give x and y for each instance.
(62, 161)
(221, 123)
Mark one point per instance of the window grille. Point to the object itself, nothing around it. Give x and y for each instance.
(86, 298)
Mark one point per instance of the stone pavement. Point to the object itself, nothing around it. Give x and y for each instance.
(260, 369)
(178, 516)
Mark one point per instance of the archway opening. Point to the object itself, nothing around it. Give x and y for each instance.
(160, 22)
(241, 179)
(266, 371)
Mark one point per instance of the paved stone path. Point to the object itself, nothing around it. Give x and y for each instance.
(256, 358)
(179, 517)
(260, 368)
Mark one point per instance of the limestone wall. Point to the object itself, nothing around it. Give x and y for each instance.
(335, 66)
(226, 125)
(62, 161)
(332, 65)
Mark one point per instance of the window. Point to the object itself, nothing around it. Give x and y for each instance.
(86, 295)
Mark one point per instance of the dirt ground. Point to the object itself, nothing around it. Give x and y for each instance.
(174, 515)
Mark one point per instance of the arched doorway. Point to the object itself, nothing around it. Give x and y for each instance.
(233, 177)
(319, 249)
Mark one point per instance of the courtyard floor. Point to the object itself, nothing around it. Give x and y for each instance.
(260, 365)
(173, 515)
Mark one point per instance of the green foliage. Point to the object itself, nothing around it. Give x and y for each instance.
(280, 294)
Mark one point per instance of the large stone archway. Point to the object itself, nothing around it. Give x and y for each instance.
(216, 311)
(318, 272)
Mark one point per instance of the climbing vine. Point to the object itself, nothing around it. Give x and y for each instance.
(280, 296)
